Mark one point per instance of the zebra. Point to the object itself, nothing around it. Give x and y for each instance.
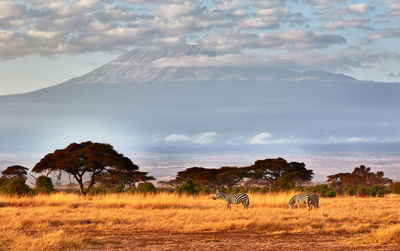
(310, 199)
(313, 200)
(233, 199)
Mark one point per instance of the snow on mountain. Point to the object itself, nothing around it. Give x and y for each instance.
(191, 63)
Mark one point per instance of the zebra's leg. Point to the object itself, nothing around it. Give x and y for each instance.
(228, 206)
(244, 202)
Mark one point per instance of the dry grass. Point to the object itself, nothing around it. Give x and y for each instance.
(67, 221)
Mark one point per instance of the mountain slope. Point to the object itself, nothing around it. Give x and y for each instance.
(204, 109)
(189, 64)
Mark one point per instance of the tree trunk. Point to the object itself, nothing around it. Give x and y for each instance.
(81, 188)
(92, 180)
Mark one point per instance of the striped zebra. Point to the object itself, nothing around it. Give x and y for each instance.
(310, 199)
(233, 199)
(313, 200)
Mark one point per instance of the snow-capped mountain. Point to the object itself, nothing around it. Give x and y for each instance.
(190, 64)
(193, 100)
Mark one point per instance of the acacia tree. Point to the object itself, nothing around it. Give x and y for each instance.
(15, 171)
(361, 176)
(272, 171)
(225, 177)
(86, 160)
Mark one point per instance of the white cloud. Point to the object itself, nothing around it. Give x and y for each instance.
(204, 138)
(170, 11)
(361, 139)
(177, 137)
(346, 23)
(361, 8)
(262, 138)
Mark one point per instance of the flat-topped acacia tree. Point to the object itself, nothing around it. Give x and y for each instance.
(86, 160)
(15, 171)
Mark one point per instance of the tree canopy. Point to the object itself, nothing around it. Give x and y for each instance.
(15, 171)
(86, 160)
(262, 173)
(361, 176)
(268, 172)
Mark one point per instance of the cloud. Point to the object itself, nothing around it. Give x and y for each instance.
(361, 8)
(177, 137)
(299, 60)
(203, 138)
(385, 33)
(345, 23)
(288, 40)
(394, 8)
(278, 30)
(262, 138)
(361, 139)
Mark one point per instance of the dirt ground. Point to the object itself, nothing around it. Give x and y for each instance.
(225, 241)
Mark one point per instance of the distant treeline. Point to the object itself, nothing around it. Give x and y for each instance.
(97, 169)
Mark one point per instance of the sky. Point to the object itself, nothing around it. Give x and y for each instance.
(46, 42)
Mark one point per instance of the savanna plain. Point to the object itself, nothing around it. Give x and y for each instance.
(169, 221)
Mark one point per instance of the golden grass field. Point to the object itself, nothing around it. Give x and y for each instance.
(68, 221)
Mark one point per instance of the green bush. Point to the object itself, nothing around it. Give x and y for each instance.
(363, 191)
(3, 183)
(349, 190)
(97, 190)
(374, 190)
(377, 190)
(395, 187)
(188, 187)
(16, 186)
(146, 187)
(116, 189)
(282, 185)
(44, 184)
(323, 190)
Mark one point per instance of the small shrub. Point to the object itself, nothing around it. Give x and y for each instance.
(97, 190)
(116, 189)
(282, 185)
(146, 187)
(44, 184)
(362, 191)
(377, 190)
(349, 190)
(395, 187)
(131, 190)
(16, 186)
(188, 187)
(3, 183)
(323, 190)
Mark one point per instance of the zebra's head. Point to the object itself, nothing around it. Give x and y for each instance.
(217, 195)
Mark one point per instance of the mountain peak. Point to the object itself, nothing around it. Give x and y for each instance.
(189, 63)
(138, 66)
(327, 76)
